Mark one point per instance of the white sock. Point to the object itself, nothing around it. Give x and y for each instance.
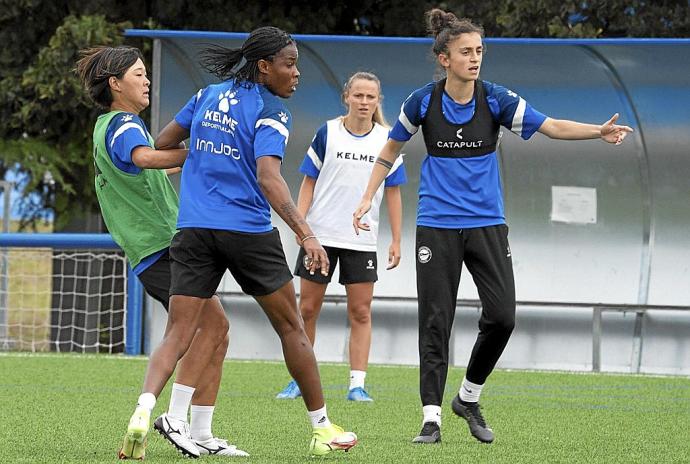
(180, 398)
(147, 400)
(470, 391)
(319, 418)
(357, 379)
(200, 424)
(432, 413)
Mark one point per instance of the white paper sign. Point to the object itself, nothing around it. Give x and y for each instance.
(573, 205)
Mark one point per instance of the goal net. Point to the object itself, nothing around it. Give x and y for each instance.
(64, 300)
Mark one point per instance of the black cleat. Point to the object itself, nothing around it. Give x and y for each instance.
(431, 433)
(473, 415)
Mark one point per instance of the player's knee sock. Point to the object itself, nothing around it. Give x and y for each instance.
(469, 392)
(200, 424)
(319, 418)
(357, 379)
(432, 413)
(146, 400)
(180, 398)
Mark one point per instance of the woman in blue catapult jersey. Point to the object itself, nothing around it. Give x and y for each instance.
(460, 213)
(238, 131)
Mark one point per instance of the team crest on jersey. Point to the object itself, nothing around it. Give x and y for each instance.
(127, 118)
(225, 99)
(424, 254)
(370, 264)
(283, 116)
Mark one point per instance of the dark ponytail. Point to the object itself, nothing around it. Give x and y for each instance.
(241, 63)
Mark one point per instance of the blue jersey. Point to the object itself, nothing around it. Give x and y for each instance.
(230, 126)
(126, 132)
(457, 193)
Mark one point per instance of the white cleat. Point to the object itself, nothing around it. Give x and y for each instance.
(177, 433)
(218, 447)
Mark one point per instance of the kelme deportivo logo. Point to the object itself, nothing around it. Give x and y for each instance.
(283, 117)
(424, 254)
(226, 99)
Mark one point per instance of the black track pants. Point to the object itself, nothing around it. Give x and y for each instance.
(440, 254)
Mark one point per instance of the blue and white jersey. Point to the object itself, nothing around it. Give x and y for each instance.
(341, 163)
(126, 132)
(231, 126)
(457, 193)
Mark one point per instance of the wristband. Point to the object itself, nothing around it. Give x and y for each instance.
(304, 239)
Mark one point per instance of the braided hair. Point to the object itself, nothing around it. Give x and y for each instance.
(241, 63)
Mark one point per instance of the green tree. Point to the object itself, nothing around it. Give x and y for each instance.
(47, 133)
(592, 18)
(47, 122)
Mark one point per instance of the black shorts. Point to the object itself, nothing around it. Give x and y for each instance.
(201, 256)
(355, 266)
(156, 279)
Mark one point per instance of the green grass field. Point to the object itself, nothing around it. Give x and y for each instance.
(74, 408)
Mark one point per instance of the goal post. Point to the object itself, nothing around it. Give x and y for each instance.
(68, 293)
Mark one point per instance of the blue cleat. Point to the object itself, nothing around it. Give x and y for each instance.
(358, 394)
(290, 392)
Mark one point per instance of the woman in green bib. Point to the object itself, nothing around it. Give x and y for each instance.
(139, 207)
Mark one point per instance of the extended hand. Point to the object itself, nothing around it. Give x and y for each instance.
(359, 213)
(393, 256)
(612, 132)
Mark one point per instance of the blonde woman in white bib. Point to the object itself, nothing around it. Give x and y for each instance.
(336, 170)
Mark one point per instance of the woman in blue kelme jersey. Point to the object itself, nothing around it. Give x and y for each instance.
(460, 214)
(139, 206)
(238, 130)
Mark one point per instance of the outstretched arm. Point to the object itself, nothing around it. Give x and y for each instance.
(384, 163)
(171, 136)
(394, 205)
(170, 139)
(149, 158)
(277, 193)
(571, 130)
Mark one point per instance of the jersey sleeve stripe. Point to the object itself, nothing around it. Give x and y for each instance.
(409, 127)
(516, 126)
(282, 130)
(314, 158)
(396, 164)
(123, 128)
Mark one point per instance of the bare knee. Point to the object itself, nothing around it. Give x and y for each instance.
(360, 315)
(183, 319)
(309, 311)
